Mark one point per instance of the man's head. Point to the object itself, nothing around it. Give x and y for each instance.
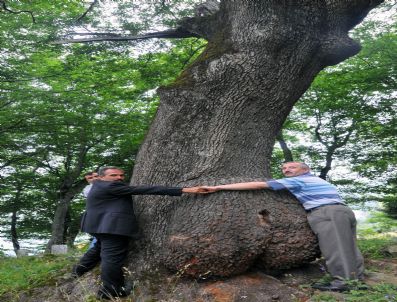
(293, 168)
(90, 177)
(111, 173)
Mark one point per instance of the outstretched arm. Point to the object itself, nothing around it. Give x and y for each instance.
(254, 185)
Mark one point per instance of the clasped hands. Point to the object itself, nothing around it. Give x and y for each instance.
(200, 190)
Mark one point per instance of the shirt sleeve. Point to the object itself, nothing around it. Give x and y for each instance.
(119, 188)
(86, 190)
(291, 184)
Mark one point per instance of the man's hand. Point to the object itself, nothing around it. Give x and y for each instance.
(198, 190)
(208, 189)
(241, 186)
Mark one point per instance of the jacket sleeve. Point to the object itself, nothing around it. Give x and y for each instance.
(119, 188)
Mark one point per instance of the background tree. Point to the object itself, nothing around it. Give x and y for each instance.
(65, 110)
(353, 104)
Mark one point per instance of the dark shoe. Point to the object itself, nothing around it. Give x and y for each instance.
(124, 293)
(76, 273)
(330, 288)
(334, 286)
(103, 294)
(127, 289)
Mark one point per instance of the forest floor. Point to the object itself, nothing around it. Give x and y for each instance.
(290, 286)
(47, 278)
(380, 279)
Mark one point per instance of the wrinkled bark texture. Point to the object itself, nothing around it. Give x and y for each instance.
(218, 123)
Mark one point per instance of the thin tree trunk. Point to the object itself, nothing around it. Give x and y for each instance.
(60, 225)
(70, 186)
(73, 227)
(338, 140)
(14, 219)
(284, 147)
(14, 234)
(328, 162)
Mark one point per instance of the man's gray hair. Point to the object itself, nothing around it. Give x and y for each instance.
(102, 170)
(302, 164)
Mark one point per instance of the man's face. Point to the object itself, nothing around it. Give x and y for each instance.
(293, 169)
(113, 175)
(91, 178)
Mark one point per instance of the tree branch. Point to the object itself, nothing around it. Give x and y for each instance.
(171, 33)
(3, 5)
(317, 129)
(87, 11)
(202, 25)
(93, 34)
(288, 157)
(191, 55)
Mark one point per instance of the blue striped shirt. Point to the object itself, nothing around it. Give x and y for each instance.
(310, 190)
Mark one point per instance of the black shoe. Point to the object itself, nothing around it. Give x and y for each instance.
(331, 287)
(75, 272)
(103, 294)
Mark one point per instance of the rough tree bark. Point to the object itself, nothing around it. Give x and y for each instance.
(218, 123)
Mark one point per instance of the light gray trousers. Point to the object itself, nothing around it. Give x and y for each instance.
(335, 228)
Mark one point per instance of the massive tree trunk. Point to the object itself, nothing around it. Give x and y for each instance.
(218, 123)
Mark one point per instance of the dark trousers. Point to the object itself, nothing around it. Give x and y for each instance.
(111, 250)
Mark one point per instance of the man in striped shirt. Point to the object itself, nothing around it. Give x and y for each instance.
(329, 217)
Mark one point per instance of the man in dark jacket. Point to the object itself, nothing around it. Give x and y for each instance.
(109, 216)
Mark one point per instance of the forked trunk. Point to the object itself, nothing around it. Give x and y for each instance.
(218, 123)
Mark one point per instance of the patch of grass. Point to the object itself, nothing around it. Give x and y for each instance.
(378, 223)
(326, 279)
(376, 235)
(359, 292)
(374, 248)
(323, 297)
(26, 273)
(377, 293)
